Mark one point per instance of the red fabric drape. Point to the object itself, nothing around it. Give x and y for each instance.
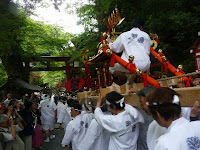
(87, 75)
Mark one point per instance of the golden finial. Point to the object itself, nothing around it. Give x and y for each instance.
(108, 52)
(138, 72)
(164, 58)
(131, 58)
(180, 67)
(160, 51)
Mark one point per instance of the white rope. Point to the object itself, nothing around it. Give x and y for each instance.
(127, 89)
(118, 88)
(85, 92)
(184, 75)
(111, 88)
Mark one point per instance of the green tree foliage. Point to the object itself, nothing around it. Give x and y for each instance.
(10, 51)
(24, 39)
(38, 38)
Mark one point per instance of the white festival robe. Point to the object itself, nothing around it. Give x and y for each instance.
(48, 113)
(123, 127)
(180, 135)
(155, 130)
(76, 130)
(64, 115)
(134, 42)
(96, 138)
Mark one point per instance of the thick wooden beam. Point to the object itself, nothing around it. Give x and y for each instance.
(188, 95)
(48, 68)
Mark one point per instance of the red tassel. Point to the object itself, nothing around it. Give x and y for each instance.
(145, 79)
(161, 54)
(87, 75)
(157, 41)
(112, 60)
(188, 82)
(165, 67)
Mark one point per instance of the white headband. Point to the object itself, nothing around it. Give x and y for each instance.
(175, 101)
(117, 102)
(120, 101)
(76, 109)
(107, 102)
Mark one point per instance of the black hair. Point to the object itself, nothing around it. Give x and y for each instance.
(70, 102)
(28, 105)
(75, 102)
(113, 97)
(104, 108)
(163, 97)
(137, 23)
(77, 106)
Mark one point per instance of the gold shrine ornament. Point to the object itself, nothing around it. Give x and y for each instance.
(131, 58)
(154, 44)
(160, 51)
(109, 52)
(138, 72)
(164, 58)
(180, 67)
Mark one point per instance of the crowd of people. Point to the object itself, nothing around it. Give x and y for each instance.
(22, 121)
(107, 123)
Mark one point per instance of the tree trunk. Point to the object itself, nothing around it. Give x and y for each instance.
(13, 64)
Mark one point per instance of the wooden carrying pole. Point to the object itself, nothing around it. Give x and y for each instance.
(187, 99)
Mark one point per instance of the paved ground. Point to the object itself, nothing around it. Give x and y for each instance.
(54, 144)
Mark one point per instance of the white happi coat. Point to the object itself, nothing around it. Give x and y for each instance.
(59, 106)
(64, 115)
(155, 130)
(134, 42)
(76, 130)
(48, 113)
(180, 135)
(123, 127)
(153, 133)
(96, 138)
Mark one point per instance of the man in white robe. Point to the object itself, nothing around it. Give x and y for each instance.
(122, 125)
(96, 138)
(76, 128)
(48, 115)
(181, 134)
(135, 42)
(64, 116)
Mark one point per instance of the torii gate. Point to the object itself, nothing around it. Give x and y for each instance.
(48, 66)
